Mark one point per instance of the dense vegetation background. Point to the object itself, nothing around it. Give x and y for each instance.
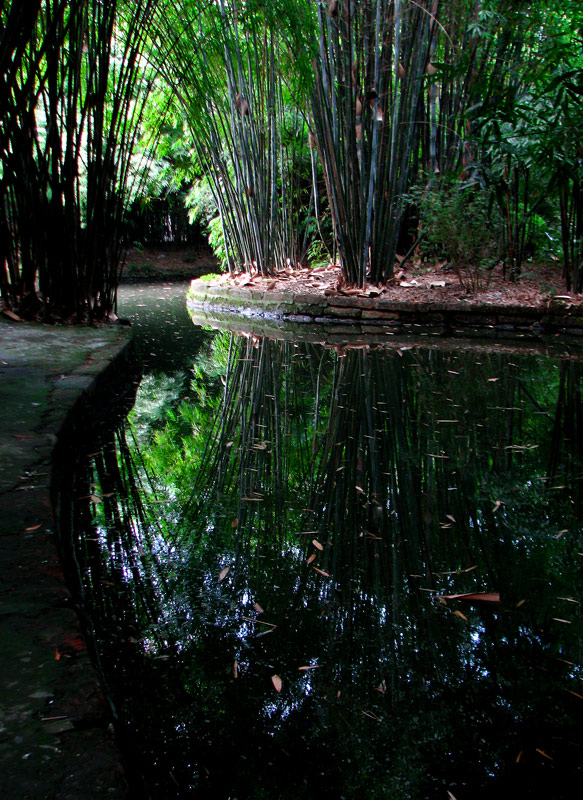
(294, 132)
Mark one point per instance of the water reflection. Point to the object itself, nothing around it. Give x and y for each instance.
(270, 580)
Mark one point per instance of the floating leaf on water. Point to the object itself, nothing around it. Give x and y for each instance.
(449, 516)
(564, 621)
(519, 756)
(234, 523)
(459, 614)
(487, 597)
(310, 666)
(33, 528)
(497, 505)
(311, 558)
(542, 752)
(561, 533)
(277, 682)
(360, 489)
(452, 796)
(235, 669)
(317, 544)
(493, 380)
(258, 608)
(223, 573)
(580, 696)
(321, 571)
(520, 603)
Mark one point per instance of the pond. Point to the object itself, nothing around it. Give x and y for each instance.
(333, 571)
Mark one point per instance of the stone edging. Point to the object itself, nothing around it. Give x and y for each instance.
(368, 314)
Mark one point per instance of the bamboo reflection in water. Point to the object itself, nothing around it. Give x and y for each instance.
(408, 474)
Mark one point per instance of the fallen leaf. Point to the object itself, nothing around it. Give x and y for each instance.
(520, 603)
(449, 516)
(234, 523)
(277, 682)
(223, 573)
(11, 315)
(311, 558)
(452, 796)
(33, 528)
(57, 655)
(542, 752)
(459, 614)
(321, 571)
(487, 597)
(497, 505)
(235, 669)
(258, 608)
(311, 666)
(23, 436)
(317, 544)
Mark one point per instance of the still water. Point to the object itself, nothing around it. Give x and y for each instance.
(344, 571)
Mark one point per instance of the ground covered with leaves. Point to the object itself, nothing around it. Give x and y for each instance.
(417, 282)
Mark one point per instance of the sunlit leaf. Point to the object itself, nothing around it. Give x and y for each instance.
(223, 573)
(277, 682)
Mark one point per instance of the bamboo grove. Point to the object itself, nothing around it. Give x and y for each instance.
(357, 132)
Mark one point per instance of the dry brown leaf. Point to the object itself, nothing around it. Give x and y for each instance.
(223, 573)
(11, 315)
(258, 608)
(311, 666)
(277, 682)
(33, 528)
(459, 614)
(487, 597)
(542, 752)
(311, 558)
(234, 523)
(321, 571)
(235, 669)
(317, 544)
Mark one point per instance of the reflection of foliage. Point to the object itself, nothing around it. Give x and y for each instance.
(409, 474)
